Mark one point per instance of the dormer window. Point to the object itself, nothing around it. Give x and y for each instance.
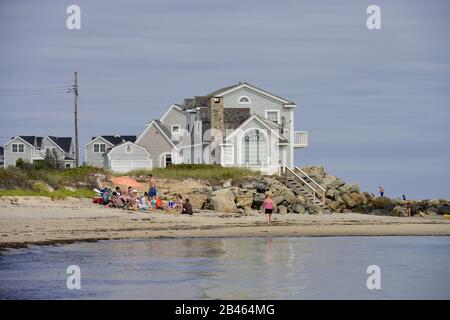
(244, 100)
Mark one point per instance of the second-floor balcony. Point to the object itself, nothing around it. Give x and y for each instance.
(300, 139)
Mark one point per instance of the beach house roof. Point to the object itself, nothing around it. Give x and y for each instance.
(117, 139)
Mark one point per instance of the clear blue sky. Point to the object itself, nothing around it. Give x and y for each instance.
(376, 103)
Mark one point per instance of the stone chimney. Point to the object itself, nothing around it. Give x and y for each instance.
(217, 127)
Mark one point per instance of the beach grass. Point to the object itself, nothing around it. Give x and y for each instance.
(57, 194)
(196, 171)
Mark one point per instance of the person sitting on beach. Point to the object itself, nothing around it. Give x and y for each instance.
(187, 208)
(268, 207)
(118, 191)
(142, 204)
(115, 201)
(153, 203)
(133, 200)
(178, 202)
(159, 203)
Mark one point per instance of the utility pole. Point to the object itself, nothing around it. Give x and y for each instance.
(77, 148)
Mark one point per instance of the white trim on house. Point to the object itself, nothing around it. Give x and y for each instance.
(249, 101)
(248, 86)
(168, 111)
(273, 110)
(96, 139)
(17, 146)
(138, 140)
(239, 146)
(53, 141)
(18, 137)
(254, 116)
(128, 142)
(99, 148)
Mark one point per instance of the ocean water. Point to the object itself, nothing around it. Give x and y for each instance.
(232, 268)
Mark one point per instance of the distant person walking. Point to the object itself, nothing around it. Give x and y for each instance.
(381, 191)
(151, 186)
(268, 207)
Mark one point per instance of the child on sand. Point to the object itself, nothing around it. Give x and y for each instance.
(268, 207)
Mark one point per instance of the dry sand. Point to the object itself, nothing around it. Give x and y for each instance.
(34, 220)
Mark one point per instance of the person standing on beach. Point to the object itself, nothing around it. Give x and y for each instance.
(151, 186)
(381, 190)
(268, 207)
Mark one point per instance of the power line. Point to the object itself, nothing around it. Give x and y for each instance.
(34, 91)
(37, 118)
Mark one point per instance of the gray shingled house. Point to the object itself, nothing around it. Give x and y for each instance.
(96, 149)
(238, 125)
(32, 148)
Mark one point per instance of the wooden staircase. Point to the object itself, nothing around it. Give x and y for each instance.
(302, 184)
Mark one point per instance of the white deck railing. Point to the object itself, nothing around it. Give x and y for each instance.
(300, 139)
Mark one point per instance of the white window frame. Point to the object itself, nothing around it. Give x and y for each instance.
(243, 102)
(99, 147)
(176, 126)
(18, 148)
(67, 166)
(126, 149)
(273, 110)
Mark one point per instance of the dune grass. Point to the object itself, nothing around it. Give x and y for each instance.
(57, 194)
(196, 171)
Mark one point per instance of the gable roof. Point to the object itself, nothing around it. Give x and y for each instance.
(115, 139)
(165, 132)
(264, 124)
(173, 106)
(30, 140)
(127, 142)
(227, 90)
(63, 142)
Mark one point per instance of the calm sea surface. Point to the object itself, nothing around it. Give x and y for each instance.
(232, 268)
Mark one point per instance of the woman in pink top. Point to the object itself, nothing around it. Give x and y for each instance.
(268, 207)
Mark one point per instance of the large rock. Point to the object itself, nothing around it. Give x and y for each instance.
(282, 209)
(443, 209)
(298, 208)
(197, 200)
(399, 211)
(258, 200)
(244, 200)
(42, 186)
(288, 195)
(223, 201)
(348, 201)
(333, 205)
(336, 183)
(383, 203)
(357, 198)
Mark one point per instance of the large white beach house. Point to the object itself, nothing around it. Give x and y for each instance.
(239, 125)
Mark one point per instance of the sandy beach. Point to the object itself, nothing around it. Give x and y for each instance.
(40, 221)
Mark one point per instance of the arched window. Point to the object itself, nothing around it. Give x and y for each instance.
(128, 148)
(254, 148)
(244, 100)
